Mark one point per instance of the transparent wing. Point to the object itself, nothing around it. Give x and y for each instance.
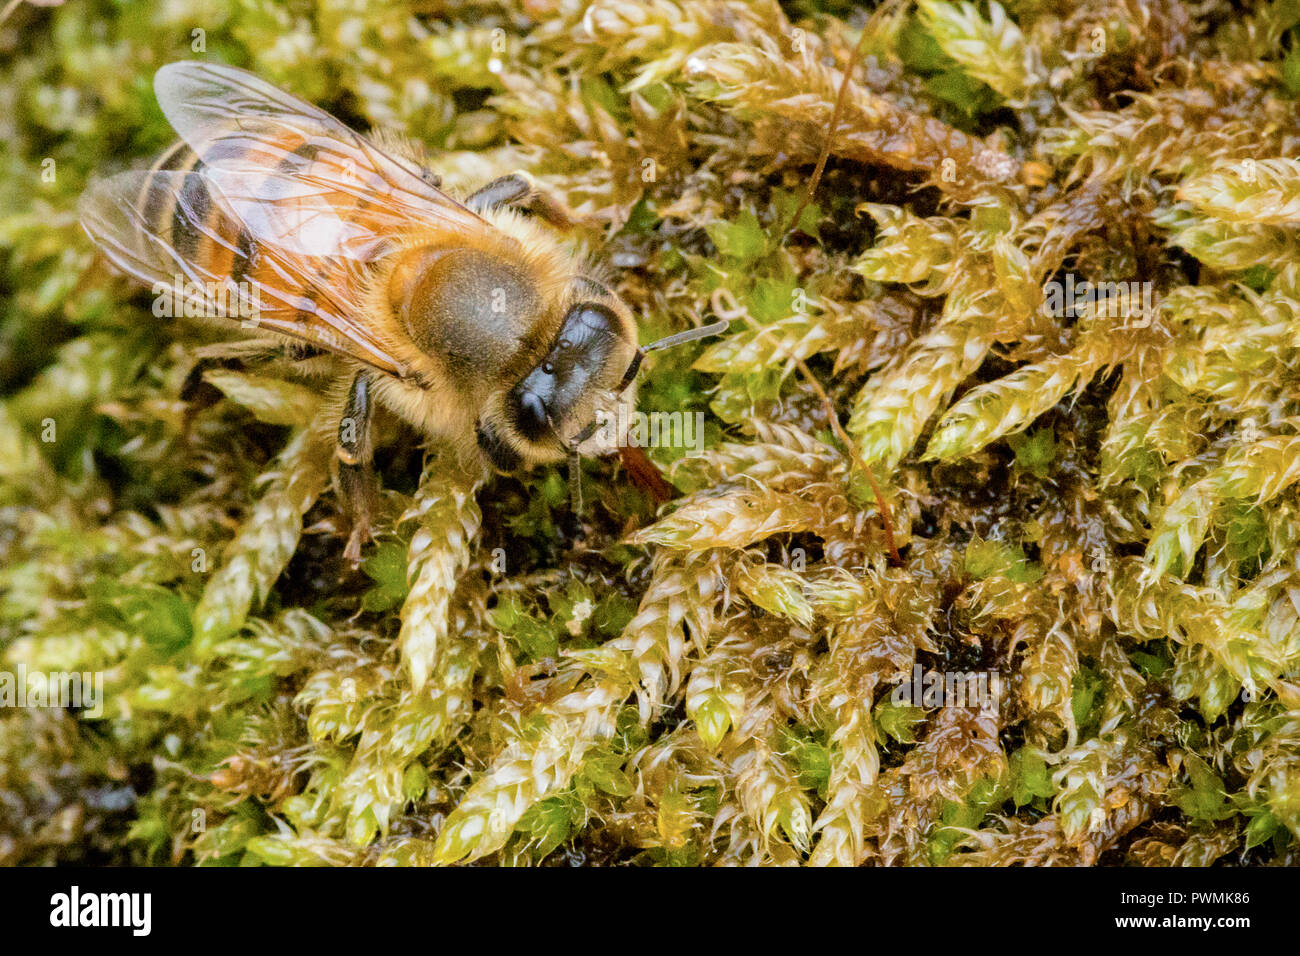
(297, 177)
(175, 229)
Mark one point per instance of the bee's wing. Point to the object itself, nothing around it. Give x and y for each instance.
(297, 177)
(169, 227)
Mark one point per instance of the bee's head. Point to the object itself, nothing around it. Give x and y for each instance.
(577, 398)
(562, 402)
(573, 386)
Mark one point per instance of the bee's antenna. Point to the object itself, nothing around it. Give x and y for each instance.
(690, 335)
(668, 342)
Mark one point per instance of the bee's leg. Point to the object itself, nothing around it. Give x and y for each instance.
(575, 482)
(355, 453)
(522, 191)
(197, 393)
(300, 351)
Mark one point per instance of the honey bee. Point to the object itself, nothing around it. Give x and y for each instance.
(472, 320)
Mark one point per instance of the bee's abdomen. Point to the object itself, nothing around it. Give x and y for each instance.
(200, 227)
(190, 222)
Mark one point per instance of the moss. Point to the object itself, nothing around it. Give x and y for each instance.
(1044, 299)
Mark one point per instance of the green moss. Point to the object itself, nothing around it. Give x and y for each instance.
(1094, 502)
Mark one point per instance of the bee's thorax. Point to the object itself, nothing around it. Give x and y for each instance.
(472, 308)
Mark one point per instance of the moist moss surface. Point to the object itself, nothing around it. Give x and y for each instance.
(1093, 496)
